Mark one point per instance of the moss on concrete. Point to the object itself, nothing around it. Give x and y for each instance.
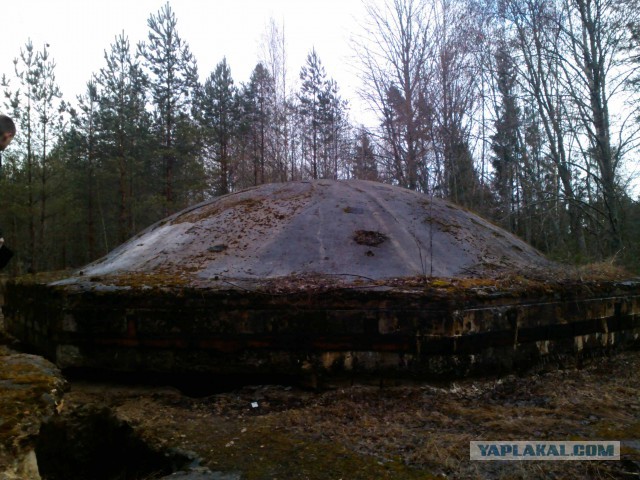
(31, 390)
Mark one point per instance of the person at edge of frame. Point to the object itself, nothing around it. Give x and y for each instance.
(7, 132)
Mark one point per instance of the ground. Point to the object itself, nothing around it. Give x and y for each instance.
(412, 431)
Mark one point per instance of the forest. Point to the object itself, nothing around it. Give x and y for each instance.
(524, 111)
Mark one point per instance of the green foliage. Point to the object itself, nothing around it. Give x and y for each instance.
(505, 141)
(258, 104)
(220, 120)
(322, 113)
(365, 162)
(37, 109)
(173, 81)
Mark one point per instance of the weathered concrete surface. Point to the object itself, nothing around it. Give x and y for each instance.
(31, 390)
(434, 328)
(345, 228)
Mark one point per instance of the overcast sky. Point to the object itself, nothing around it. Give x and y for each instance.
(78, 32)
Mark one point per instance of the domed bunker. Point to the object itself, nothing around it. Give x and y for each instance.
(321, 277)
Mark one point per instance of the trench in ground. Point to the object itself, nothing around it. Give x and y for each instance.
(91, 442)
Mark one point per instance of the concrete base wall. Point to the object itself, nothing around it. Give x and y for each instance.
(342, 331)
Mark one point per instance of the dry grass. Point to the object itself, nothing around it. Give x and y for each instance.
(602, 271)
(405, 431)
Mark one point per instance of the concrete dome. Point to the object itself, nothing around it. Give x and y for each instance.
(347, 228)
(269, 281)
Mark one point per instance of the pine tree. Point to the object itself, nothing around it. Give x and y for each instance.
(335, 131)
(173, 79)
(125, 130)
(258, 99)
(49, 108)
(82, 144)
(505, 141)
(220, 118)
(314, 101)
(38, 109)
(365, 163)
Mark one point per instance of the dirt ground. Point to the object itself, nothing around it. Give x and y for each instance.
(407, 431)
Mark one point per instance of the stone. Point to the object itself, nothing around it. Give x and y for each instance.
(203, 474)
(31, 391)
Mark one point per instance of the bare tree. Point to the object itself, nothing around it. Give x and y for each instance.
(593, 35)
(535, 24)
(392, 53)
(450, 96)
(274, 58)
